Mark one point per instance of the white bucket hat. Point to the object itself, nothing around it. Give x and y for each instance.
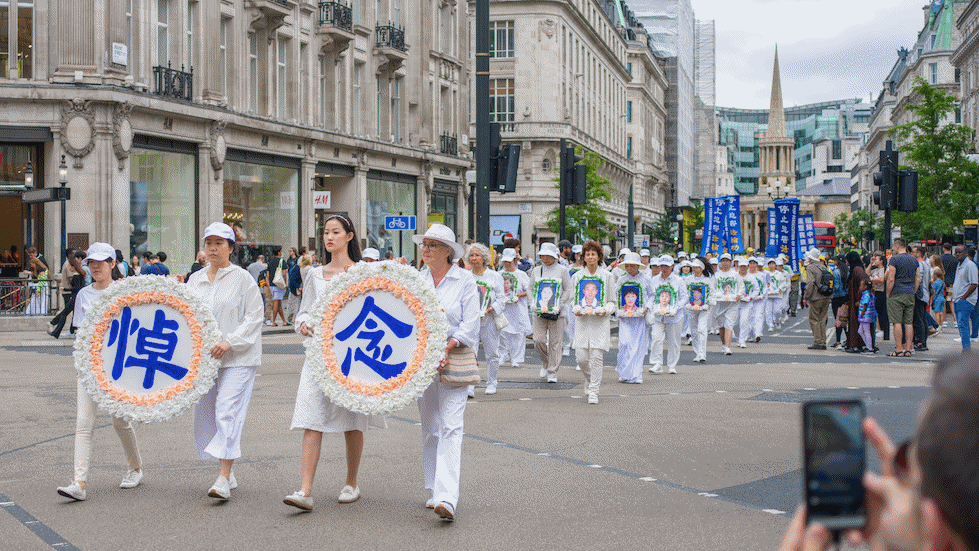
(632, 258)
(624, 250)
(549, 249)
(812, 255)
(509, 255)
(443, 234)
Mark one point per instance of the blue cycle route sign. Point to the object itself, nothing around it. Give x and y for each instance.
(396, 223)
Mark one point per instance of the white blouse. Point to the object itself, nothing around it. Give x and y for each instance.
(238, 310)
(460, 300)
(494, 283)
(83, 301)
(592, 331)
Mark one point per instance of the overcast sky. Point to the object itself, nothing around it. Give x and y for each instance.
(827, 49)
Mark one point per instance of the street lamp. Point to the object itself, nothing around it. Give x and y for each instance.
(862, 235)
(63, 170)
(29, 176)
(777, 191)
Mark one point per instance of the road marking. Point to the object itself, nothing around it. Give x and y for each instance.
(47, 535)
(773, 511)
(544, 454)
(674, 394)
(767, 390)
(525, 399)
(595, 466)
(809, 389)
(853, 388)
(706, 494)
(892, 386)
(648, 479)
(720, 391)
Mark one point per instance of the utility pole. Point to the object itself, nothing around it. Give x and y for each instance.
(562, 193)
(483, 168)
(632, 220)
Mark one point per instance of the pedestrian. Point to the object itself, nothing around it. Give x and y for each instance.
(219, 416)
(818, 302)
(371, 255)
(72, 280)
(38, 305)
(152, 265)
(550, 292)
(855, 277)
(903, 277)
(761, 281)
(199, 262)
(315, 413)
(700, 302)
(489, 284)
(963, 294)
(441, 407)
(867, 315)
(633, 292)
(256, 268)
(279, 284)
(124, 267)
(593, 308)
(728, 288)
(938, 292)
(838, 268)
(567, 256)
(101, 258)
(295, 289)
(795, 278)
(921, 301)
(878, 276)
(669, 293)
(293, 258)
(949, 263)
(161, 258)
(513, 338)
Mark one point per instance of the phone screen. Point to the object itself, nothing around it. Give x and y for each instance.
(834, 448)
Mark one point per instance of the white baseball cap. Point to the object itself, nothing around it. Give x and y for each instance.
(644, 252)
(576, 249)
(726, 256)
(698, 263)
(219, 229)
(654, 261)
(632, 258)
(100, 251)
(742, 261)
(778, 262)
(372, 253)
(666, 260)
(713, 260)
(509, 255)
(683, 254)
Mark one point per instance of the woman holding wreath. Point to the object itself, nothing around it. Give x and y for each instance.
(315, 412)
(593, 305)
(490, 287)
(219, 416)
(441, 407)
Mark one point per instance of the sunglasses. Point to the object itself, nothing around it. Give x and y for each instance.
(901, 462)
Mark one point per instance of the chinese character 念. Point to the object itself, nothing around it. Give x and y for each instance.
(373, 356)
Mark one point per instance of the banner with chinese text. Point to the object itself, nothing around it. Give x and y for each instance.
(771, 249)
(787, 224)
(733, 217)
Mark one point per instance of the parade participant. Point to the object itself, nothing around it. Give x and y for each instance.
(761, 281)
(513, 338)
(773, 300)
(441, 407)
(101, 261)
(219, 416)
(617, 269)
(713, 328)
(728, 288)
(685, 271)
(669, 293)
(371, 255)
(795, 279)
(748, 295)
(578, 264)
(315, 413)
(593, 305)
(644, 258)
(489, 284)
(633, 292)
(787, 293)
(700, 300)
(551, 293)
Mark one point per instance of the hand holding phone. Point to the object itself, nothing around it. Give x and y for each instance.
(834, 449)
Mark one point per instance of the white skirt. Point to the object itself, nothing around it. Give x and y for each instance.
(314, 411)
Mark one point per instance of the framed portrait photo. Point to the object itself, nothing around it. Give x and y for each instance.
(591, 292)
(546, 295)
(698, 294)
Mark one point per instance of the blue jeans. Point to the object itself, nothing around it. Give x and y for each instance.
(963, 312)
(974, 318)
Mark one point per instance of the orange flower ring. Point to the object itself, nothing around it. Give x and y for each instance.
(137, 299)
(326, 330)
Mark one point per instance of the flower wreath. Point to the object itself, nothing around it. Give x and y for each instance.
(430, 328)
(169, 401)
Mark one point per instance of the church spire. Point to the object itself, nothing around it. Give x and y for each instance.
(776, 113)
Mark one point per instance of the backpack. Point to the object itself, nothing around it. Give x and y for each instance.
(825, 286)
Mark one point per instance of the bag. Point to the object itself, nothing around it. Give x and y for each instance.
(279, 281)
(263, 278)
(549, 317)
(462, 369)
(825, 285)
(500, 321)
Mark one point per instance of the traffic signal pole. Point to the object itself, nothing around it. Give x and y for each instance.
(562, 194)
(483, 168)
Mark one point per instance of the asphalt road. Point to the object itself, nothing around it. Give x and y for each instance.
(706, 459)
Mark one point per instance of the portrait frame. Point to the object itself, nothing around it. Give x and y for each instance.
(632, 286)
(583, 284)
(552, 287)
(704, 289)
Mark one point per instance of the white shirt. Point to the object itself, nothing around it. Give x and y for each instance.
(83, 301)
(238, 309)
(516, 312)
(706, 281)
(493, 282)
(729, 278)
(591, 331)
(460, 300)
(679, 288)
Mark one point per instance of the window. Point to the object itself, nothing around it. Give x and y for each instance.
(379, 105)
(501, 39)
(958, 75)
(396, 110)
(837, 149)
(191, 7)
(162, 33)
(223, 61)
(396, 16)
(958, 114)
(545, 165)
(628, 67)
(356, 99)
(502, 105)
(253, 72)
(129, 37)
(304, 81)
(324, 101)
(355, 8)
(933, 73)
(628, 111)
(280, 70)
(628, 147)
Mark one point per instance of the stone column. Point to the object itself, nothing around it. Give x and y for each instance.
(208, 73)
(307, 178)
(75, 39)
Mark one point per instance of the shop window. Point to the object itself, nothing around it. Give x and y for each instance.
(444, 209)
(261, 203)
(386, 198)
(17, 52)
(162, 208)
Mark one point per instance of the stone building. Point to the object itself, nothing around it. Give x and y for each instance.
(266, 114)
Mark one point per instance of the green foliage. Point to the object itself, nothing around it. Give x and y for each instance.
(948, 182)
(663, 232)
(693, 221)
(596, 222)
(849, 233)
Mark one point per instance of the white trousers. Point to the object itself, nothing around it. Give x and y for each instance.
(592, 363)
(699, 320)
(441, 410)
(773, 311)
(758, 316)
(219, 416)
(489, 339)
(746, 322)
(568, 328)
(85, 425)
(513, 347)
(670, 333)
(686, 320)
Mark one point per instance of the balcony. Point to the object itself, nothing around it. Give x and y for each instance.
(390, 47)
(336, 25)
(174, 84)
(449, 145)
(269, 14)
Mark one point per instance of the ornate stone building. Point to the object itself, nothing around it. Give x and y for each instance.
(266, 114)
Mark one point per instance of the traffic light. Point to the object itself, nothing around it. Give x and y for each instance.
(506, 168)
(886, 179)
(908, 200)
(573, 177)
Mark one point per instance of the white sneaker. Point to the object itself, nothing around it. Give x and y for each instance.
(74, 491)
(300, 500)
(221, 488)
(445, 511)
(268, 323)
(957, 339)
(566, 352)
(232, 483)
(593, 399)
(132, 479)
(430, 504)
(514, 365)
(552, 379)
(577, 368)
(742, 345)
(348, 494)
(656, 370)
(726, 351)
(490, 390)
(672, 371)
(944, 324)
(543, 373)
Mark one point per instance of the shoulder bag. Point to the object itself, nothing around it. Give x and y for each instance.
(279, 280)
(462, 369)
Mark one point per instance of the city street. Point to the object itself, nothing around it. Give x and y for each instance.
(708, 459)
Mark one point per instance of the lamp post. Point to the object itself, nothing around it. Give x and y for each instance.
(679, 229)
(862, 235)
(777, 191)
(28, 185)
(63, 171)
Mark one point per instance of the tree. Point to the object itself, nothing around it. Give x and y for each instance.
(848, 228)
(694, 221)
(595, 220)
(662, 232)
(948, 182)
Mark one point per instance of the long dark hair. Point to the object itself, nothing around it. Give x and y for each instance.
(353, 246)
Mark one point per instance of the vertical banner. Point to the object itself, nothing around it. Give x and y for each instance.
(709, 242)
(787, 212)
(801, 228)
(733, 233)
(771, 249)
(810, 230)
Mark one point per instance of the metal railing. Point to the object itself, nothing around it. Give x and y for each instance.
(336, 14)
(28, 297)
(450, 145)
(390, 36)
(283, 3)
(173, 83)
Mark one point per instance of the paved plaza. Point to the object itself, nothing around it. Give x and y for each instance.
(708, 459)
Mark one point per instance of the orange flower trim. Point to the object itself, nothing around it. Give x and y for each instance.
(98, 334)
(326, 330)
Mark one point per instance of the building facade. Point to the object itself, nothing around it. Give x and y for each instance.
(705, 114)
(267, 115)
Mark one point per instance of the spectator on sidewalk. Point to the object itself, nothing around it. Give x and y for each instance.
(878, 275)
(921, 300)
(903, 278)
(963, 293)
(818, 304)
(256, 268)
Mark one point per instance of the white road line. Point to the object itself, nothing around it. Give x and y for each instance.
(648, 479)
(706, 494)
(767, 390)
(892, 386)
(852, 388)
(499, 443)
(674, 394)
(544, 454)
(595, 466)
(525, 399)
(773, 511)
(809, 389)
(720, 391)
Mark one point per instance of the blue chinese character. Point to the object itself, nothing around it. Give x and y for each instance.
(375, 360)
(157, 345)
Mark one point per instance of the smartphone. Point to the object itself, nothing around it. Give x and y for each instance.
(834, 451)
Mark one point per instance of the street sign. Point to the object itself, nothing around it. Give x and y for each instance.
(398, 223)
(970, 222)
(322, 199)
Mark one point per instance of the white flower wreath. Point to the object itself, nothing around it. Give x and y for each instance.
(394, 393)
(133, 291)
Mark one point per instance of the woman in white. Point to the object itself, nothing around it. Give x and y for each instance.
(441, 407)
(633, 331)
(513, 338)
(773, 300)
(592, 325)
(101, 260)
(490, 288)
(219, 416)
(700, 299)
(314, 412)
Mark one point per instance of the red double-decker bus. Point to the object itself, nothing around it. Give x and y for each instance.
(825, 236)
